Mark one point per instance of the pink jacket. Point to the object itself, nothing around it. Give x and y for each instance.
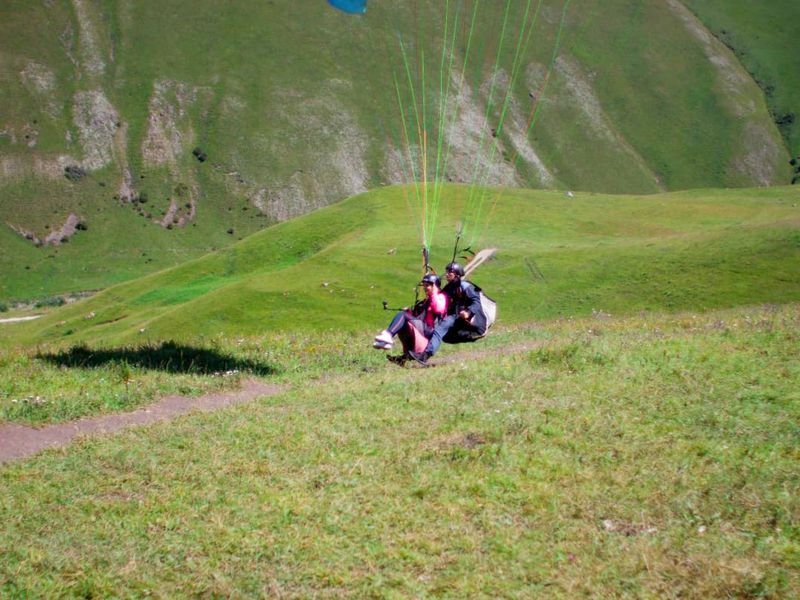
(436, 308)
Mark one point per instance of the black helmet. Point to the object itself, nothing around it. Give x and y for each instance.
(456, 268)
(432, 278)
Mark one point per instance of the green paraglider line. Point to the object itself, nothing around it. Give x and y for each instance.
(525, 35)
(419, 194)
(431, 135)
(534, 113)
(522, 45)
(468, 209)
(407, 145)
(460, 88)
(445, 76)
(397, 133)
(550, 68)
(423, 136)
(422, 124)
(435, 196)
(429, 200)
(489, 103)
(473, 210)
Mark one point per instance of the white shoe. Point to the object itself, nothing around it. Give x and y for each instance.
(383, 341)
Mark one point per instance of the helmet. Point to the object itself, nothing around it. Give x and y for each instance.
(456, 268)
(432, 278)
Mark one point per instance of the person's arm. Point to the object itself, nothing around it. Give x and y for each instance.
(473, 303)
(439, 305)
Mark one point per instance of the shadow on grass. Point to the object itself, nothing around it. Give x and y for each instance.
(166, 356)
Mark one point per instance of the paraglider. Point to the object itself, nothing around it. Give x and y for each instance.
(356, 7)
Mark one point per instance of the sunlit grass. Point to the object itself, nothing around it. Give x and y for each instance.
(605, 456)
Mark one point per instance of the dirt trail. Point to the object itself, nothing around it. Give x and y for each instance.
(19, 441)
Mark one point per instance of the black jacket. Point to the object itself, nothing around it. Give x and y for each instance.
(465, 295)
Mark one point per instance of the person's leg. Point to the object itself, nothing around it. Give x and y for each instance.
(411, 336)
(439, 332)
(419, 341)
(398, 322)
(406, 337)
(385, 339)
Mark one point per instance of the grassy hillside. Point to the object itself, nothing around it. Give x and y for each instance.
(293, 106)
(759, 34)
(608, 452)
(648, 456)
(559, 255)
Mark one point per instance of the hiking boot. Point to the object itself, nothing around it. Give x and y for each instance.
(420, 357)
(383, 341)
(398, 359)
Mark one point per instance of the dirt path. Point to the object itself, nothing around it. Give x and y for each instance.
(19, 441)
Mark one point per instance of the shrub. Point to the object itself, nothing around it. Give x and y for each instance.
(50, 301)
(74, 172)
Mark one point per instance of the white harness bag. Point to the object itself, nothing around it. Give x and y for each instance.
(489, 308)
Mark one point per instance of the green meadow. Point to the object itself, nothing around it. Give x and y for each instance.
(603, 456)
(559, 254)
(324, 277)
(628, 429)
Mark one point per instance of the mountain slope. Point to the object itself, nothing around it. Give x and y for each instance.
(170, 131)
(759, 35)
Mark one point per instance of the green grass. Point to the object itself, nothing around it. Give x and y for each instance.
(628, 430)
(46, 387)
(648, 456)
(55, 385)
(637, 440)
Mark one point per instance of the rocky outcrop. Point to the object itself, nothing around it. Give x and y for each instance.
(57, 236)
(97, 122)
(169, 140)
